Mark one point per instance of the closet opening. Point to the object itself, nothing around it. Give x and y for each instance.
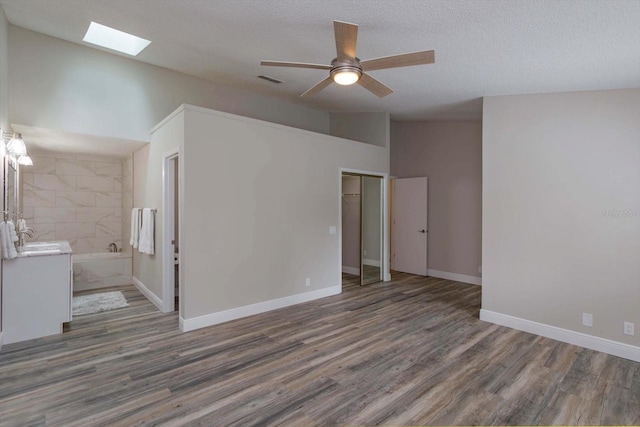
(363, 228)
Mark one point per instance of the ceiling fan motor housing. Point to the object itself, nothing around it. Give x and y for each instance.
(339, 67)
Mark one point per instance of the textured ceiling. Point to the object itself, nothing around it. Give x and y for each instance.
(482, 47)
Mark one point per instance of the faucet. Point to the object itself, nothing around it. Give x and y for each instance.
(28, 231)
(112, 248)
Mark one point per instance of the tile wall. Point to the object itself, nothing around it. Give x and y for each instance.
(78, 198)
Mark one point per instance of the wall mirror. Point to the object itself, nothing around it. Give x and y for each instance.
(371, 229)
(10, 189)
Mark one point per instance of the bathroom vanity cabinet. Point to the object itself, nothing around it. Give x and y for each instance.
(37, 294)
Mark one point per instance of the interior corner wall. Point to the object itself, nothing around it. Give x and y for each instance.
(449, 154)
(67, 86)
(259, 200)
(561, 212)
(147, 193)
(371, 128)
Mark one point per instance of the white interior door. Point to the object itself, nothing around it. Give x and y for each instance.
(409, 225)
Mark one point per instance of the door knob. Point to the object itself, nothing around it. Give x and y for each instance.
(422, 231)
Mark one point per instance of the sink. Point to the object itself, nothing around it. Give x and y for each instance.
(40, 251)
(40, 248)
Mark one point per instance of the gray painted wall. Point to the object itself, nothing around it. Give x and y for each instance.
(561, 212)
(75, 88)
(372, 128)
(258, 239)
(449, 154)
(4, 71)
(4, 104)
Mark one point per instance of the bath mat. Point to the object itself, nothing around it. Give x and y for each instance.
(97, 303)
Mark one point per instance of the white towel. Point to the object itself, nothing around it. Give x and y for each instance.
(8, 236)
(146, 244)
(4, 239)
(135, 227)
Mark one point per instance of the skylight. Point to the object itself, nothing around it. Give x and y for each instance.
(111, 38)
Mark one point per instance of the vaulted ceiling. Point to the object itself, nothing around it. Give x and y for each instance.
(489, 47)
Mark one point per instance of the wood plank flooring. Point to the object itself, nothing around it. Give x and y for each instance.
(408, 352)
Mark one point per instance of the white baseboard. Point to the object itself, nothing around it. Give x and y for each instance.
(371, 262)
(350, 270)
(472, 280)
(147, 293)
(257, 308)
(604, 345)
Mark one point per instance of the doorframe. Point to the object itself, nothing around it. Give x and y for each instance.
(386, 272)
(168, 225)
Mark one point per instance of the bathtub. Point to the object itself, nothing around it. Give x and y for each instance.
(101, 270)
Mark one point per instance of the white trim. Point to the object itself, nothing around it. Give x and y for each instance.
(472, 280)
(371, 262)
(604, 345)
(350, 270)
(257, 308)
(147, 293)
(168, 229)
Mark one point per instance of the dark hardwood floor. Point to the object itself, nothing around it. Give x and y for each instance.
(408, 352)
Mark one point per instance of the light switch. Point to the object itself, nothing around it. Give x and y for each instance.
(332, 229)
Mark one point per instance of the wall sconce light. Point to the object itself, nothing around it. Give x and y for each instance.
(15, 147)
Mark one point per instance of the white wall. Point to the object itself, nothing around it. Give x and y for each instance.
(258, 239)
(66, 86)
(147, 193)
(4, 71)
(561, 212)
(4, 105)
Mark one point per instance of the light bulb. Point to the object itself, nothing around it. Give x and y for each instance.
(346, 77)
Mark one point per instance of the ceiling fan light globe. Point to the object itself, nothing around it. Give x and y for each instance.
(346, 78)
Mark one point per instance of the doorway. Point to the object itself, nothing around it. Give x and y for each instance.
(171, 283)
(363, 231)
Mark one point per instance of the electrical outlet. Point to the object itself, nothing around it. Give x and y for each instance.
(587, 319)
(480, 269)
(308, 282)
(332, 229)
(628, 328)
(365, 252)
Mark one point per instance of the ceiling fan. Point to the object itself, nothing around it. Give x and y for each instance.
(347, 68)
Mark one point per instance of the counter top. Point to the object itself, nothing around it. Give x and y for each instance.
(35, 249)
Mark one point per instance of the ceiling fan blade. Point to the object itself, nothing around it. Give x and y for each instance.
(346, 38)
(295, 65)
(374, 86)
(403, 60)
(318, 87)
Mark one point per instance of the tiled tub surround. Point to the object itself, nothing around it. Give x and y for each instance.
(99, 270)
(77, 198)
